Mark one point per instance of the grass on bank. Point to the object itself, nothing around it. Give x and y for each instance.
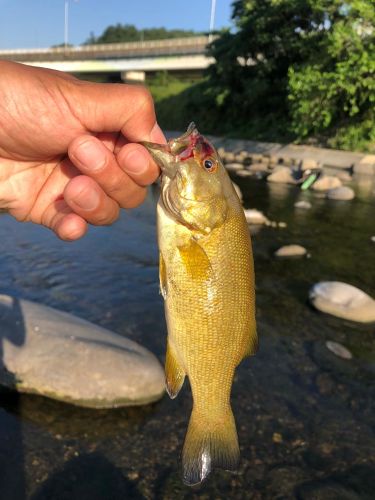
(178, 102)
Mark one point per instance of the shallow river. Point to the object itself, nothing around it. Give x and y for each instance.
(305, 417)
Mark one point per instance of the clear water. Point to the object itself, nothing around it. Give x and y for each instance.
(305, 417)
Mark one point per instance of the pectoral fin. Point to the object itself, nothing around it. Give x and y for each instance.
(174, 373)
(195, 261)
(162, 276)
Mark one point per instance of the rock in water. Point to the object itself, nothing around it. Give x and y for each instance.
(243, 173)
(55, 354)
(342, 193)
(282, 175)
(234, 167)
(339, 350)
(309, 164)
(303, 204)
(343, 300)
(291, 251)
(254, 216)
(326, 182)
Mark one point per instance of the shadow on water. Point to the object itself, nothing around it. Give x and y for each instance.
(12, 475)
(90, 477)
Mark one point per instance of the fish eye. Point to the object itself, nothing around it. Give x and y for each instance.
(209, 165)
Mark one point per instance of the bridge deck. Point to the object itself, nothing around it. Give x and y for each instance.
(168, 47)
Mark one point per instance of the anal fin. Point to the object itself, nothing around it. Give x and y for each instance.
(174, 373)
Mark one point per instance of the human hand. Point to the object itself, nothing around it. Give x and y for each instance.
(68, 148)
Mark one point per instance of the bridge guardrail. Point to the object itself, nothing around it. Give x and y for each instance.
(171, 46)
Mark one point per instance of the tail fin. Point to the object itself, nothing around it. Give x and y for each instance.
(209, 444)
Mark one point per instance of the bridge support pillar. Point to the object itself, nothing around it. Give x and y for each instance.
(133, 76)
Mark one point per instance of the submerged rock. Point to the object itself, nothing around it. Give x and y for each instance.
(55, 354)
(343, 300)
(254, 216)
(342, 193)
(291, 251)
(326, 182)
(303, 204)
(338, 349)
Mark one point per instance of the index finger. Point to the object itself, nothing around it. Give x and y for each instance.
(106, 107)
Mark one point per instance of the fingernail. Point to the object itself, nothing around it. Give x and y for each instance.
(91, 155)
(136, 162)
(156, 135)
(87, 199)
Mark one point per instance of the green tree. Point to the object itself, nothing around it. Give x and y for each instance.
(129, 33)
(302, 65)
(333, 92)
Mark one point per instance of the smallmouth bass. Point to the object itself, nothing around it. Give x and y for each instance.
(207, 282)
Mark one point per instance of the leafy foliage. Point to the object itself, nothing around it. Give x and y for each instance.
(307, 66)
(334, 91)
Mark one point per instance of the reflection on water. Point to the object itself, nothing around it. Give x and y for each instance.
(304, 416)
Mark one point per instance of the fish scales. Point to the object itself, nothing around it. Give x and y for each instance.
(207, 280)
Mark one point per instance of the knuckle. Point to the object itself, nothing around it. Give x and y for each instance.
(144, 97)
(107, 216)
(136, 198)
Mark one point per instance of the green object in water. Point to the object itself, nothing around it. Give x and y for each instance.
(309, 181)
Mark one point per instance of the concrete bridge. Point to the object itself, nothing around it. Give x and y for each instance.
(131, 59)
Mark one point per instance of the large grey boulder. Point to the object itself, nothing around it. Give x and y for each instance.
(343, 300)
(55, 354)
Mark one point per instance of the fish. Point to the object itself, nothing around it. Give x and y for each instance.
(206, 274)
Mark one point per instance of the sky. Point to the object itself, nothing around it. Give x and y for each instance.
(40, 23)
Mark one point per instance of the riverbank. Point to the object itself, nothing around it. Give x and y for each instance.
(292, 154)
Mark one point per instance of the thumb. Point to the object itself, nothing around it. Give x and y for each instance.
(109, 107)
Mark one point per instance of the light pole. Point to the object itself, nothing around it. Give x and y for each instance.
(66, 23)
(212, 20)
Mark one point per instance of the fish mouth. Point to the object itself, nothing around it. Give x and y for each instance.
(166, 156)
(163, 157)
(185, 140)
